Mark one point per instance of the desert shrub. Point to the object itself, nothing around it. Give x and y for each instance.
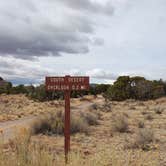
(106, 107)
(98, 88)
(51, 123)
(20, 89)
(144, 138)
(94, 106)
(76, 94)
(141, 124)
(120, 123)
(41, 125)
(78, 124)
(101, 88)
(158, 110)
(90, 118)
(54, 124)
(39, 93)
(94, 114)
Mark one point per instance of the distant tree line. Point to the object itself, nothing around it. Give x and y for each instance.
(39, 93)
(138, 88)
(125, 87)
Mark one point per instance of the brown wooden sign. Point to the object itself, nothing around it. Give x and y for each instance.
(67, 84)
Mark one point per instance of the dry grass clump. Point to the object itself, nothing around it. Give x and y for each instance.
(144, 138)
(90, 118)
(94, 106)
(48, 124)
(120, 123)
(158, 110)
(21, 152)
(78, 124)
(141, 124)
(107, 107)
(54, 123)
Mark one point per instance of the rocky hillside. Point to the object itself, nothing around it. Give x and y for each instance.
(2, 82)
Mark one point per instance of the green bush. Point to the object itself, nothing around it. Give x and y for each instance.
(139, 88)
(39, 93)
(20, 89)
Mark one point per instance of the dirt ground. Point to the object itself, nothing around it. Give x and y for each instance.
(13, 107)
(101, 136)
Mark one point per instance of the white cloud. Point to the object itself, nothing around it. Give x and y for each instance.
(11, 68)
(101, 74)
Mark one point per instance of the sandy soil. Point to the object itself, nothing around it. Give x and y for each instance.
(102, 135)
(23, 112)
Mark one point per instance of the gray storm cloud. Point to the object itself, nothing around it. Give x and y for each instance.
(36, 28)
(89, 6)
(131, 33)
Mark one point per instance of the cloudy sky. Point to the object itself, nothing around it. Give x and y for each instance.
(99, 38)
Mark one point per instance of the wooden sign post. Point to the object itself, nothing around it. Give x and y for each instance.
(67, 84)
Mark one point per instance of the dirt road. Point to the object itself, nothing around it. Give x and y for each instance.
(10, 129)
